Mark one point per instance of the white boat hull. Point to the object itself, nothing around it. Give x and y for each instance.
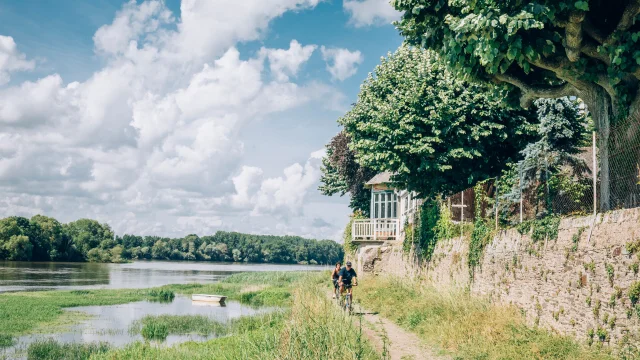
(208, 298)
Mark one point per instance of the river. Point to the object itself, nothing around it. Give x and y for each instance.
(22, 276)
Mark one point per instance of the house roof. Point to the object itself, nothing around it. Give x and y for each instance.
(380, 178)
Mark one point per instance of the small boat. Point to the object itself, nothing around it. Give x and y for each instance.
(208, 298)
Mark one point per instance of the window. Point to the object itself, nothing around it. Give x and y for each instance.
(384, 205)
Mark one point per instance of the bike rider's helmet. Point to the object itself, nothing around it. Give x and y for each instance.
(348, 263)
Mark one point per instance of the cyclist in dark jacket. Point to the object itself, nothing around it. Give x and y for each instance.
(347, 278)
(335, 275)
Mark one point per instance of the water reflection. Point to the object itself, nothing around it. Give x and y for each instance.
(111, 323)
(19, 276)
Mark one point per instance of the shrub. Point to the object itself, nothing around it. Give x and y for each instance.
(634, 292)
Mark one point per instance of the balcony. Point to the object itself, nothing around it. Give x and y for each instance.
(377, 230)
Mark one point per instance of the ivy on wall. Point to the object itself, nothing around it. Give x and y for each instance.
(347, 237)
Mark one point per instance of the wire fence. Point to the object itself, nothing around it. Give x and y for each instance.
(598, 178)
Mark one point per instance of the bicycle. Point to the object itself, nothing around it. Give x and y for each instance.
(336, 292)
(347, 304)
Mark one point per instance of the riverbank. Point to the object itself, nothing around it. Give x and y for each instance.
(305, 325)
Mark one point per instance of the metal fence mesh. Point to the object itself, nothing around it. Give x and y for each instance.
(564, 188)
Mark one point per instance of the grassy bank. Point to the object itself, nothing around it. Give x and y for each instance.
(308, 326)
(43, 311)
(311, 328)
(466, 327)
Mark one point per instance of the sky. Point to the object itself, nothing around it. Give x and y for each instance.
(181, 116)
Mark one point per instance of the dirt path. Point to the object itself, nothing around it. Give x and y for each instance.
(392, 341)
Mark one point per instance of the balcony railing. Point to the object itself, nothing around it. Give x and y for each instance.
(375, 229)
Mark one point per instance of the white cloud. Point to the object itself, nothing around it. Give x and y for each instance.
(151, 141)
(129, 24)
(341, 63)
(282, 196)
(285, 63)
(371, 12)
(11, 60)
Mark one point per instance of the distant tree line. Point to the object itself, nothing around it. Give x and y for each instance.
(43, 238)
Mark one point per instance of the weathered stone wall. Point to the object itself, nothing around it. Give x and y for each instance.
(572, 284)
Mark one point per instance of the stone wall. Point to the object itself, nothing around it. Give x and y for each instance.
(570, 285)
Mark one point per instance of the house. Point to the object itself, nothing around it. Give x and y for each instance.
(391, 208)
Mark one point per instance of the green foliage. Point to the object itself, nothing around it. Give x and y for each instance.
(347, 237)
(426, 231)
(525, 43)
(43, 238)
(480, 238)
(5, 340)
(549, 168)
(633, 246)
(52, 350)
(438, 134)
(162, 295)
(610, 273)
(154, 330)
(634, 292)
(407, 244)
(602, 334)
(541, 229)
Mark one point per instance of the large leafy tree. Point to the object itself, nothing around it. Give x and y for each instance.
(341, 174)
(545, 48)
(438, 133)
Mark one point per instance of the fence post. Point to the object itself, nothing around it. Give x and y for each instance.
(375, 232)
(496, 203)
(594, 172)
(520, 184)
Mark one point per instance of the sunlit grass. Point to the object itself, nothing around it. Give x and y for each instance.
(468, 327)
(313, 328)
(27, 312)
(53, 350)
(159, 326)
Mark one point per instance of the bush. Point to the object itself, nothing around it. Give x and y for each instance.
(634, 292)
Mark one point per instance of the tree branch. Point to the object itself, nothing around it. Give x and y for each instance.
(573, 34)
(591, 50)
(593, 31)
(626, 21)
(533, 92)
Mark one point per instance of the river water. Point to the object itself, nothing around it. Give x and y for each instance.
(21, 276)
(111, 324)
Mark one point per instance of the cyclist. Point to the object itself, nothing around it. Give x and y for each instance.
(346, 275)
(335, 275)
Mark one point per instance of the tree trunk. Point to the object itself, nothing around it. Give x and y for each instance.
(600, 105)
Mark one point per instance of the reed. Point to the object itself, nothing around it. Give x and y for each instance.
(159, 326)
(53, 350)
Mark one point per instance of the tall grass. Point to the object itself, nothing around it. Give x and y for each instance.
(53, 350)
(466, 326)
(5, 340)
(276, 278)
(313, 328)
(319, 330)
(158, 327)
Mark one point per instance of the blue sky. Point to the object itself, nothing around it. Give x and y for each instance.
(181, 117)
